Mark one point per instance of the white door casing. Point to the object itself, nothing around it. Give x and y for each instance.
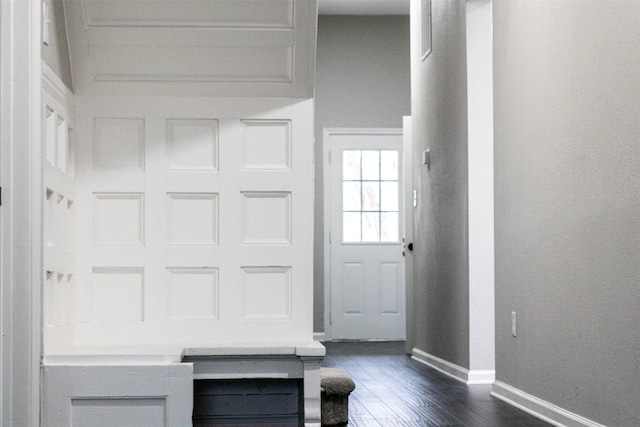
(408, 228)
(20, 93)
(365, 268)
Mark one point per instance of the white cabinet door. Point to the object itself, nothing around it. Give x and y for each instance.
(367, 266)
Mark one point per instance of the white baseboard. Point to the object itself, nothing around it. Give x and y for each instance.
(454, 371)
(477, 376)
(539, 408)
(319, 336)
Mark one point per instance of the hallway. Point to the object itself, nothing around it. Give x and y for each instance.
(393, 390)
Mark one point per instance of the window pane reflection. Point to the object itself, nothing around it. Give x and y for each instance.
(389, 227)
(389, 165)
(389, 196)
(351, 196)
(351, 227)
(351, 165)
(371, 165)
(370, 227)
(370, 196)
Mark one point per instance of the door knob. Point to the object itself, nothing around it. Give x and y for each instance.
(408, 246)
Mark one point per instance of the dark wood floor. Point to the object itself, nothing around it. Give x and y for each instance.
(394, 390)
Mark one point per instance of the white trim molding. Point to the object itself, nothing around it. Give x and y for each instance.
(21, 280)
(480, 376)
(539, 408)
(454, 371)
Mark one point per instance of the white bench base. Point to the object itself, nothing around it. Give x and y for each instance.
(102, 386)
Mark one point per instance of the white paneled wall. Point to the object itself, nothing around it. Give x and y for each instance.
(194, 220)
(59, 213)
(181, 224)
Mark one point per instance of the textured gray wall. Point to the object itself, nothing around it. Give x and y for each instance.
(567, 217)
(439, 110)
(362, 80)
(56, 53)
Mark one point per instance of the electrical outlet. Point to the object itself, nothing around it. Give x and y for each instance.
(513, 323)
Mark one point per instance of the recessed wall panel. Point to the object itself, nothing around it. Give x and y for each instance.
(266, 218)
(50, 135)
(59, 222)
(49, 295)
(113, 411)
(266, 145)
(193, 293)
(389, 276)
(353, 289)
(118, 294)
(118, 218)
(58, 299)
(192, 219)
(166, 63)
(70, 223)
(200, 13)
(192, 144)
(69, 299)
(118, 144)
(62, 144)
(49, 216)
(71, 153)
(266, 293)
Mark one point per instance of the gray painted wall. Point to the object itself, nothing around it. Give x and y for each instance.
(362, 80)
(439, 110)
(56, 53)
(567, 217)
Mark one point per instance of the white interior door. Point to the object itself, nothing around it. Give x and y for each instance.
(366, 223)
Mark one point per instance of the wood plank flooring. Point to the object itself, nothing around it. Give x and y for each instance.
(392, 390)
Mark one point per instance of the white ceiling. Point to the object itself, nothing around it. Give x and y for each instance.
(363, 7)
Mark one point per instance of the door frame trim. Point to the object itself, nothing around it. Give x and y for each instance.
(327, 133)
(407, 167)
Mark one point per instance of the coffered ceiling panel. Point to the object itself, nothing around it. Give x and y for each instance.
(193, 47)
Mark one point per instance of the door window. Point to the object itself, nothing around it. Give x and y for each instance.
(370, 196)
